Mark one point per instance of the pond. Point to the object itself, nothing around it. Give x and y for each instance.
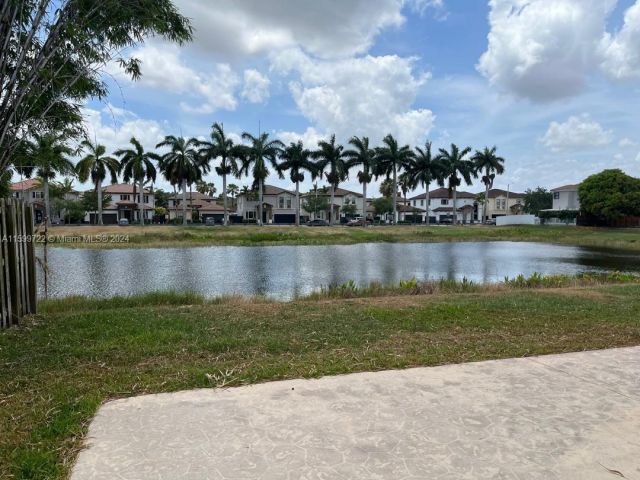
(283, 272)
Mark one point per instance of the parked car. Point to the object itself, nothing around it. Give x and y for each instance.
(123, 221)
(210, 221)
(490, 221)
(355, 222)
(318, 222)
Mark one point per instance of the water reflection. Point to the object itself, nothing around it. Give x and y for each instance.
(286, 271)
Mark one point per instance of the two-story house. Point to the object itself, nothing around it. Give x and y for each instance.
(564, 198)
(198, 205)
(123, 204)
(346, 203)
(440, 208)
(278, 206)
(32, 191)
(503, 202)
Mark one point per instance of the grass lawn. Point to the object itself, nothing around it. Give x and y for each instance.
(61, 365)
(167, 236)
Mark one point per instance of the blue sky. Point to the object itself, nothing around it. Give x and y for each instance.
(552, 83)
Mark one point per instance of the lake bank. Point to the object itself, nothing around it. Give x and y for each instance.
(63, 363)
(159, 236)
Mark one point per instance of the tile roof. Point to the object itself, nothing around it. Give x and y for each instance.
(444, 193)
(122, 188)
(497, 192)
(26, 184)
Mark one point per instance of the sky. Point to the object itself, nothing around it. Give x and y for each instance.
(554, 84)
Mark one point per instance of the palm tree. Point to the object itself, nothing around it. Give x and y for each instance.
(261, 153)
(206, 188)
(424, 169)
(97, 165)
(365, 157)
(46, 155)
(391, 158)
(233, 190)
(137, 166)
(296, 159)
(332, 157)
(455, 168)
(490, 164)
(222, 147)
(182, 165)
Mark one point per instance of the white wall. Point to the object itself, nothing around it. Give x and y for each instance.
(516, 220)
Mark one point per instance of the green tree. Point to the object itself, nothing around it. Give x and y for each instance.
(222, 147)
(316, 201)
(89, 200)
(489, 164)
(258, 156)
(332, 161)
(424, 169)
(386, 188)
(296, 160)
(47, 156)
(54, 53)
(137, 166)
(365, 157)
(233, 190)
(456, 168)
(161, 198)
(383, 205)
(610, 194)
(537, 200)
(205, 188)
(5, 184)
(391, 158)
(96, 165)
(182, 165)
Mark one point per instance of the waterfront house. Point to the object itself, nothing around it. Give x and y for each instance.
(199, 206)
(279, 205)
(123, 204)
(32, 191)
(565, 199)
(440, 208)
(341, 198)
(504, 202)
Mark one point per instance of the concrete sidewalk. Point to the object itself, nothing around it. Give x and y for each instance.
(572, 416)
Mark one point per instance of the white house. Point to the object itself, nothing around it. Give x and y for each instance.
(279, 205)
(441, 206)
(564, 198)
(123, 204)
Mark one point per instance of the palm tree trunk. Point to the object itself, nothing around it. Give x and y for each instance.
(395, 195)
(47, 206)
(427, 218)
(455, 204)
(297, 204)
(133, 210)
(260, 203)
(184, 202)
(331, 222)
(485, 212)
(141, 203)
(364, 204)
(224, 199)
(99, 194)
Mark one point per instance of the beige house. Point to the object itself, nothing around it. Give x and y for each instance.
(341, 198)
(32, 192)
(205, 206)
(503, 202)
(278, 206)
(441, 206)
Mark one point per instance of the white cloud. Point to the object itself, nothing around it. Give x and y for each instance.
(327, 28)
(115, 131)
(576, 133)
(543, 49)
(358, 96)
(626, 142)
(164, 68)
(310, 137)
(621, 51)
(256, 87)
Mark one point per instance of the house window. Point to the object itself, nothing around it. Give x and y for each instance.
(281, 202)
(288, 202)
(146, 199)
(125, 197)
(250, 215)
(37, 194)
(421, 203)
(556, 195)
(444, 201)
